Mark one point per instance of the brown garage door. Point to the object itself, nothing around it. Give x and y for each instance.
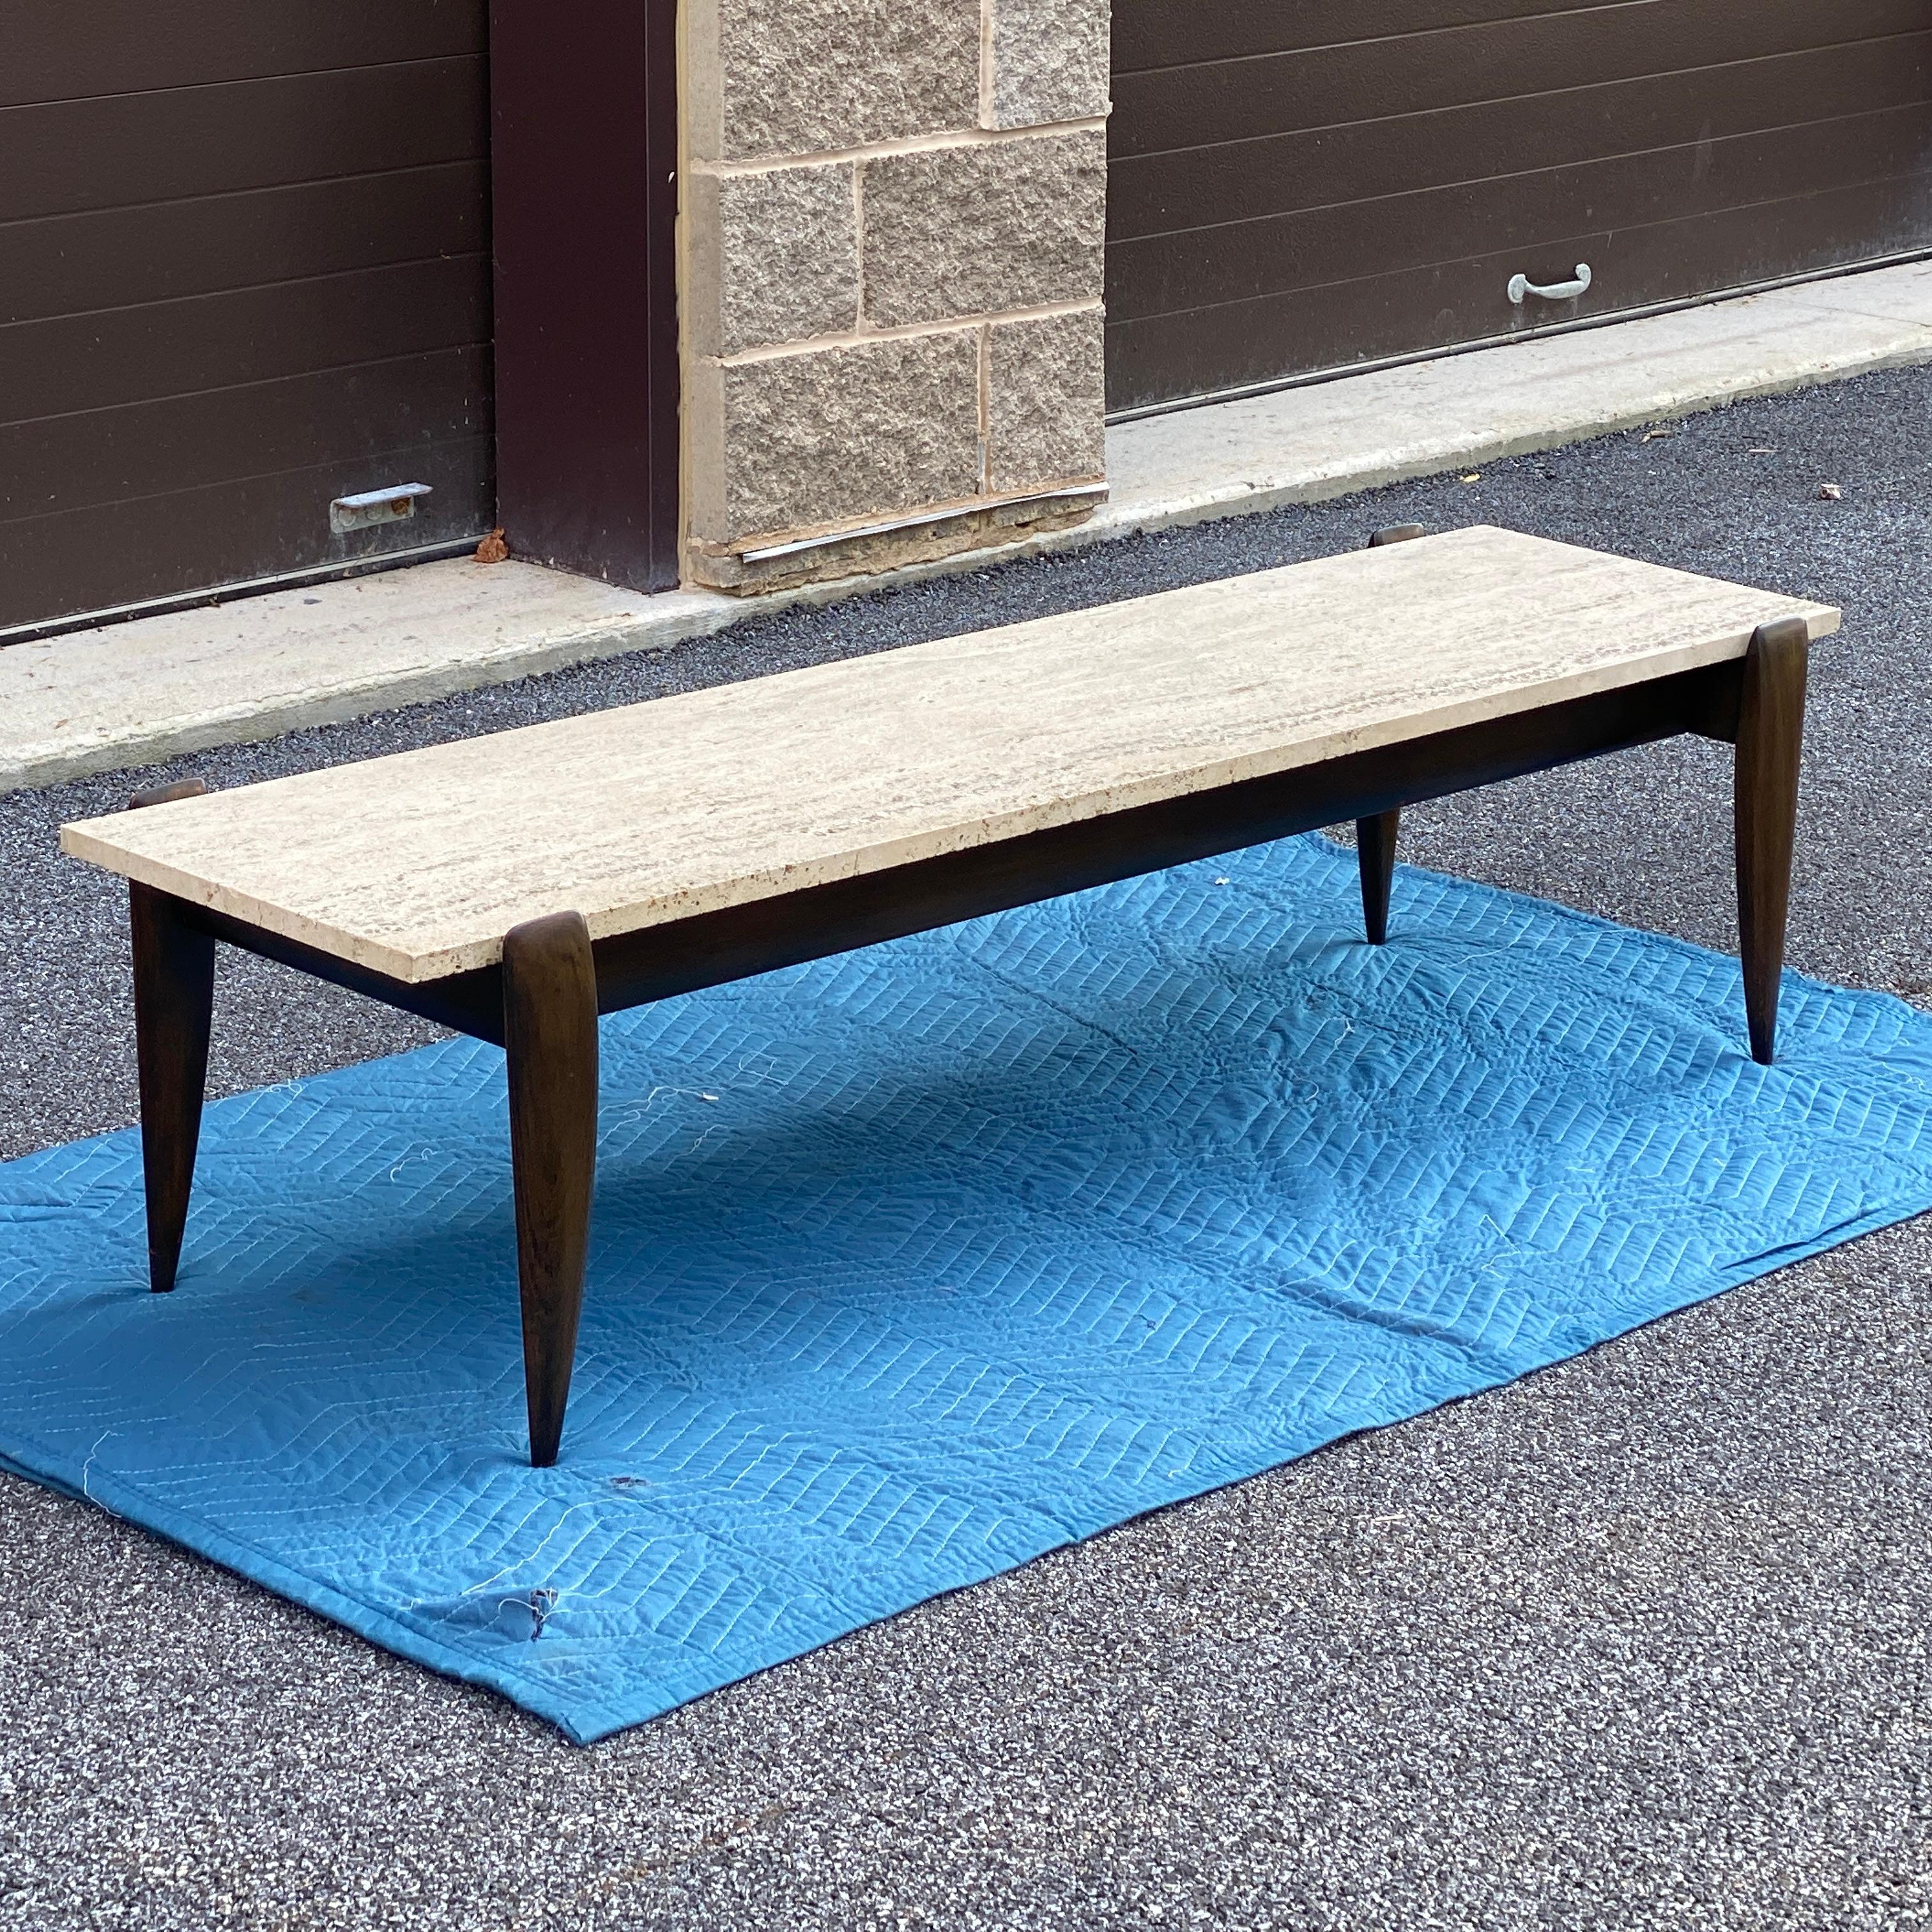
(1300, 186)
(244, 270)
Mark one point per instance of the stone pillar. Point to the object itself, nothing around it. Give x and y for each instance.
(894, 218)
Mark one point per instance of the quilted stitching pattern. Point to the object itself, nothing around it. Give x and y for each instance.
(909, 1266)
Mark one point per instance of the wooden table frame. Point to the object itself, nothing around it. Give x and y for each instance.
(540, 1003)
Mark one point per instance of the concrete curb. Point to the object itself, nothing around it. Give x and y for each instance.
(134, 693)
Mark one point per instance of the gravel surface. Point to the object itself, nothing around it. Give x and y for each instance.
(1641, 1641)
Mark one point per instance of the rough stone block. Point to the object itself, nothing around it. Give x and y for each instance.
(774, 257)
(992, 226)
(807, 76)
(1046, 406)
(791, 444)
(1050, 62)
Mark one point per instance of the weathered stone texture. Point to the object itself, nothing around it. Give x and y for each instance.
(972, 529)
(790, 77)
(797, 442)
(996, 220)
(774, 257)
(1050, 62)
(974, 230)
(1047, 400)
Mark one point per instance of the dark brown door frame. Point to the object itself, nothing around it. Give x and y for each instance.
(584, 119)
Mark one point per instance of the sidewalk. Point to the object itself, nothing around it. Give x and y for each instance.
(132, 693)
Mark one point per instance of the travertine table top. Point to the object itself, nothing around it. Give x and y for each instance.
(417, 865)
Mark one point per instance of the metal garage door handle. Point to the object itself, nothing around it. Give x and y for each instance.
(1521, 286)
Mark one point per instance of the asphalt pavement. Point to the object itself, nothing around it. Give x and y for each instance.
(1640, 1641)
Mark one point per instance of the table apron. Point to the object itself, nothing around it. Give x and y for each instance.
(814, 922)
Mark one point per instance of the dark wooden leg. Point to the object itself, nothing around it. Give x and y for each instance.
(550, 1032)
(1770, 731)
(174, 1002)
(1375, 853)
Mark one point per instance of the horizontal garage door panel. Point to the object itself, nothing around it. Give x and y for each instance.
(1375, 315)
(1408, 73)
(119, 257)
(128, 357)
(244, 268)
(134, 148)
(136, 46)
(125, 550)
(1243, 181)
(1528, 215)
(1325, 203)
(1151, 36)
(374, 414)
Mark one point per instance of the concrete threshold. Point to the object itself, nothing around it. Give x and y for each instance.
(132, 693)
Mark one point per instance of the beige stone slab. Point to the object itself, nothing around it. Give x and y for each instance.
(417, 865)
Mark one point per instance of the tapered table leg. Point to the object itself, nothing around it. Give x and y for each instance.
(174, 1005)
(550, 1030)
(1771, 732)
(1375, 853)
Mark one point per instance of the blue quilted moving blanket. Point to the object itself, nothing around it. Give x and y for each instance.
(911, 1265)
